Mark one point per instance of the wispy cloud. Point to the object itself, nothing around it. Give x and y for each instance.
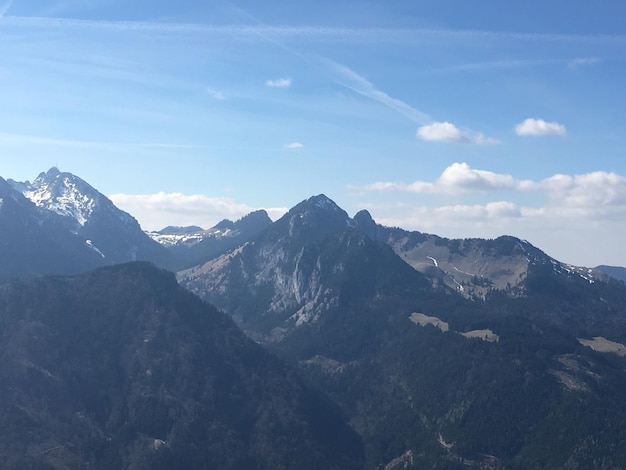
(539, 127)
(284, 82)
(317, 33)
(51, 141)
(498, 64)
(428, 130)
(582, 61)
(517, 64)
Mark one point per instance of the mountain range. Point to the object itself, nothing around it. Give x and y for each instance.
(433, 362)
(425, 352)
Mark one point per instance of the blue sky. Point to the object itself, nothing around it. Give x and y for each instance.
(464, 119)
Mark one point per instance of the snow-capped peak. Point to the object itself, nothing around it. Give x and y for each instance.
(62, 193)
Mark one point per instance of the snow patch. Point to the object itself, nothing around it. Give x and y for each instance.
(70, 202)
(433, 260)
(462, 272)
(94, 248)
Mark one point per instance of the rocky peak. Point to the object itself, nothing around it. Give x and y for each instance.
(64, 194)
(225, 224)
(364, 222)
(313, 218)
(70, 196)
(254, 221)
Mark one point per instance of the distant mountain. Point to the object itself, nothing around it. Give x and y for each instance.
(617, 272)
(472, 266)
(35, 241)
(282, 278)
(110, 232)
(443, 353)
(122, 368)
(59, 224)
(191, 246)
(172, 230)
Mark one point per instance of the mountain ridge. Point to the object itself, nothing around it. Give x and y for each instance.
(431, 377)
(122, 368)
(89, 230)
(441, 353)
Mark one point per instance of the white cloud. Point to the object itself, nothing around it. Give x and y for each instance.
(576, 218)
(497, 209)
(441, 131)
(455, 179)
(572, 236)
(538, 127)
(459, 176)
(155, 211)
(216, 95)
(447, 132)
(593, 193)
(294, 146)
(279, 82)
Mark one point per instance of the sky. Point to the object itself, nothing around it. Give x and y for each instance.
(462, 119)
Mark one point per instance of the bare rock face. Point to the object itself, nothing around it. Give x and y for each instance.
(295, 274)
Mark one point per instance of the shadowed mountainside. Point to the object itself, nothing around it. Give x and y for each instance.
(122, 368)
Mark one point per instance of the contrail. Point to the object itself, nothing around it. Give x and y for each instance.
(348, 78)
(345, 76)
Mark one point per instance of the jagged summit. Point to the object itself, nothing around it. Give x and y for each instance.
(255, 221)
(67, 195)
(365, 223)
(363, 216)
(90, 218)
(321, 201)
(225, 224)
(312, 218)
(51, 174)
